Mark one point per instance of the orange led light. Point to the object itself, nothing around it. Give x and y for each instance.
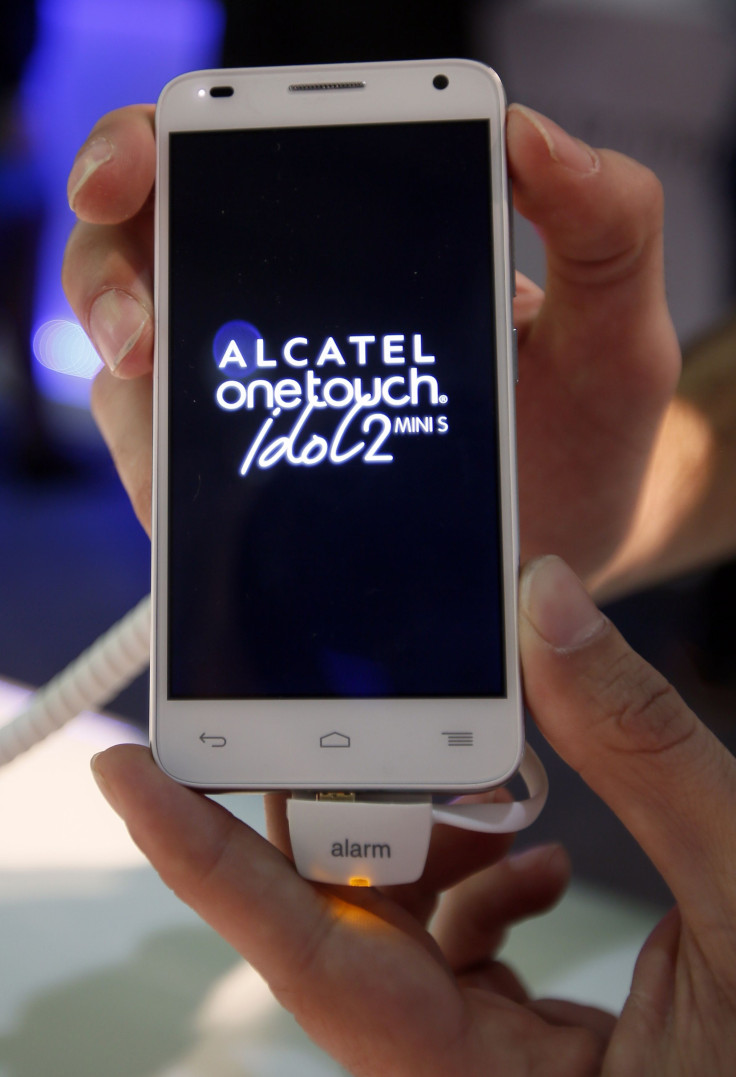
(359, 880)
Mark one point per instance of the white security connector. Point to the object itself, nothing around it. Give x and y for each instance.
(375, 840)
(361, 842)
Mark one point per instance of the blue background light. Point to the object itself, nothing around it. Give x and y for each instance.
(245, 336)
(92, 57)
(63, 347)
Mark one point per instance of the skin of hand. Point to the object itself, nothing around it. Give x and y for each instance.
(598, 358)
(374, 988)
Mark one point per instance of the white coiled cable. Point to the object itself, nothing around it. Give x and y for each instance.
(96, 676)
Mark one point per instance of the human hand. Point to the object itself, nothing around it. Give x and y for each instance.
(598, 359)
(358, 968)
(598, 355)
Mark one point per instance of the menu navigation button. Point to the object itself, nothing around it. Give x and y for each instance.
(459, 738)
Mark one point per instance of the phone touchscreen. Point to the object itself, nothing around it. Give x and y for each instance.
(333, 459)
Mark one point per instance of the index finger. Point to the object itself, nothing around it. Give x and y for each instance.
(362, 964)
(113, 173)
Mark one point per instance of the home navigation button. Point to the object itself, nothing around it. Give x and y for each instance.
(334, 740)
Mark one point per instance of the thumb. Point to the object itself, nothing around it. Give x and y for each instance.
(625, 730)
(600, 215)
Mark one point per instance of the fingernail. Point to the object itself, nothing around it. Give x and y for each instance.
(102, 782)
(116, 322)
(549, 857)
(563, 148)
(558, 606)
(94, 154)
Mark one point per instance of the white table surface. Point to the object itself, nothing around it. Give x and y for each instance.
(104, 973)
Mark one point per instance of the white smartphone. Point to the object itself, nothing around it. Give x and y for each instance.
(335, 548)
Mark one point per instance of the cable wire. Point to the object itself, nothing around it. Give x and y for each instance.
(91, 680)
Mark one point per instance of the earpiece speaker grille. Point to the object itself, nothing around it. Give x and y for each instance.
(313, 87)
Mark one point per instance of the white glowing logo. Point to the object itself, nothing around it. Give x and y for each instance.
(361, 431)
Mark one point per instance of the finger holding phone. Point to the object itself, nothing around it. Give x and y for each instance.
(357, 967)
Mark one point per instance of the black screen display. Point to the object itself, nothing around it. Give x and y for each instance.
(333, 482)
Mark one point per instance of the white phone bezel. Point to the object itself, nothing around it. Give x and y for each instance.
(396, 745)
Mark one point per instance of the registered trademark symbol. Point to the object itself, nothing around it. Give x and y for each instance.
(443, 399)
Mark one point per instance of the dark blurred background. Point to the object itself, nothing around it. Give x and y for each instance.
(653, 78)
